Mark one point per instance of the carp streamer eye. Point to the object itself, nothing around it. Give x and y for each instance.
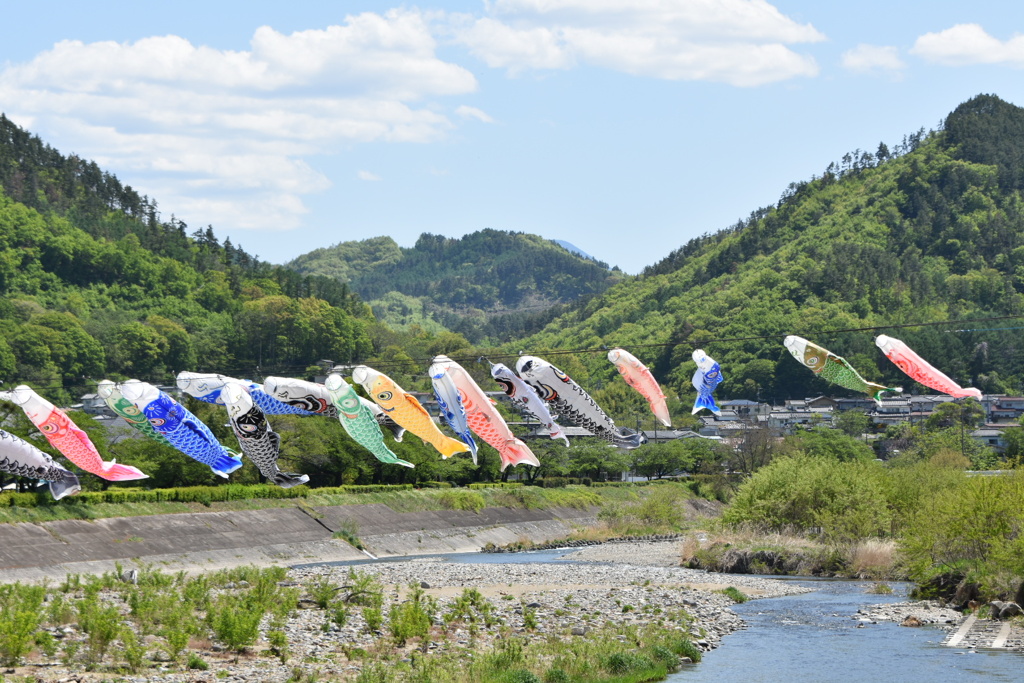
(813, 360)
(349, 403)
(385, 395)
(248, 428)
(50, 428)
(157, 422)
(132, 410)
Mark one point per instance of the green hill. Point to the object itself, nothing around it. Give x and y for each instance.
(930, 231)
(483, 285)
(93, 283)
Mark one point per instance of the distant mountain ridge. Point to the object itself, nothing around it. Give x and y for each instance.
(931, 230)
(574, 249)
(460, 283)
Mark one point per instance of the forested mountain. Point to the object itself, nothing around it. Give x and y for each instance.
(93, 283)
(930, 231)
(486, 284)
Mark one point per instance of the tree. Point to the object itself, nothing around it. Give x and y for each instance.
(967, 413)
(828, 443)
(755, 450)
(138, 350)
(852, 422)
(597, 459)
(659, 460)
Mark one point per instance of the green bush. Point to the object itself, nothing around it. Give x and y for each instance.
(235, 621)
(496, 485)
(412, 618)
(367, 488)
(734, 594)
(684, 647)
(20, 614)
(627, 662)
(972, 529)
(846, 500)
(462, 500)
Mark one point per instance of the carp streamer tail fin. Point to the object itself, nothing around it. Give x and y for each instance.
(515, 452)
(450, 447)
(114, 472)
(705, 402)
(225, 464)
(881, 390)
(287, 480)
(628, 439)
(397, 430)
(67, 485)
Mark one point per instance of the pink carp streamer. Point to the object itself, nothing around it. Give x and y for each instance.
(640, 378)
(919, 369)
(68, 438)
(484, 419)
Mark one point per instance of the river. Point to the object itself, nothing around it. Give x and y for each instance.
(812, 637)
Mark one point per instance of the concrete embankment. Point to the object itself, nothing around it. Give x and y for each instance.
(284, 536)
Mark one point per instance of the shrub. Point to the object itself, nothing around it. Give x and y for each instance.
(846, 500)
(626, 662)
(20, 614)
(556, 675)
(734, 594)
(373, 618)
(462, 500)
(197, 663)
(412, 618)
(235, 622)
(684, 647)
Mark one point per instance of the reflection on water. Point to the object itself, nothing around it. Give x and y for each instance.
(812, 637)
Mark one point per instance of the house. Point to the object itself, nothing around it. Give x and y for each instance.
(786, 421)
(94, 405)
(822, 402)
(858, 403)
(893, 406)
(991, 437)
(745, 408)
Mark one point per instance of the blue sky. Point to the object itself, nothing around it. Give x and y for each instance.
(623, 126)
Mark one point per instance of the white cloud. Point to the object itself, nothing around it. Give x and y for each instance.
(221, 134)
(468, 112)
(367, 175)
(872, 59)
(969, 44)
(740, 42)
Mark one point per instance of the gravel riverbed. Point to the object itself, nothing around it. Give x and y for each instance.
(625, 583)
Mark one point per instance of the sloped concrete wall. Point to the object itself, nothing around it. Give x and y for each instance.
(195, 541)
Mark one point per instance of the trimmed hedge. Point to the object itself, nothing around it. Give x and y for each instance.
(496, 485)
(365, 488)
(188, 494)
(561, 482)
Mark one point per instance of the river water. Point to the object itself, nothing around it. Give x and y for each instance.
(812, 637)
